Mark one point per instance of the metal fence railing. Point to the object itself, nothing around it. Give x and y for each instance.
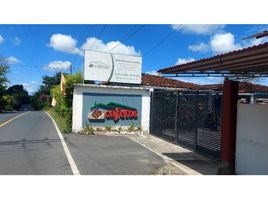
(188, 118)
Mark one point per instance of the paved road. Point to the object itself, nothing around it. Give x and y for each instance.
(30, 145)
(111, 155)
(8, 115)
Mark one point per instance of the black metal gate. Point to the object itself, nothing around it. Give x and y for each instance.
(191, 119)
(163, 113)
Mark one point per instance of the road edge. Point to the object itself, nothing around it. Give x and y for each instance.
(65, 148)
(187, 170)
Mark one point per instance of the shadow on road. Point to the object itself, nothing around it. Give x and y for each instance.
(24, 141)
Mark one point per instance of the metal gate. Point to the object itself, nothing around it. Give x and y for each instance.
(163, 107)
(191, 119)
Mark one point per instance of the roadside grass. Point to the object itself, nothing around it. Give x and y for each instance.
(60, 121)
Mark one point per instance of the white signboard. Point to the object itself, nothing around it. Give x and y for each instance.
(117, 68)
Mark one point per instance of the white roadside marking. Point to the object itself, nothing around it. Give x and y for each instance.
(6, 122)
(66, 150)
(184, 168)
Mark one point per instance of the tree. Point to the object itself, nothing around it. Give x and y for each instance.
(19, 94)
(42, 97)
(49, 82)
(64, 103)
(4, 68)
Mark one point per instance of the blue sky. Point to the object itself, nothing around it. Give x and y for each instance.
(37, 50)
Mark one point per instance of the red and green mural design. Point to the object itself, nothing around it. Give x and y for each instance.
(112, 111)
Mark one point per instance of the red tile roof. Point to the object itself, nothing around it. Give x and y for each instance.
(159, 81)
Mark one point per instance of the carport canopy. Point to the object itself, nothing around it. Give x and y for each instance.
(247, 62)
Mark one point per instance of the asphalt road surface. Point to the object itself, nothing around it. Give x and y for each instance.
(112, 155)
(29, 145)
(8, 115)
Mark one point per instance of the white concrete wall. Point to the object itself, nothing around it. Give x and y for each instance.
(252, 139)
(78, 102)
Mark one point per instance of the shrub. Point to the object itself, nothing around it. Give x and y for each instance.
(108, 128)
(89, 130)
(131, 128)
(64, 103)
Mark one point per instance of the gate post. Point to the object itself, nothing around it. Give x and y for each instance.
(176, 116)
(151, 111)
(196, 119)
(228, 129)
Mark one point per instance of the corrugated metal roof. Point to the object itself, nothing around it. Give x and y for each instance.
(251, 60)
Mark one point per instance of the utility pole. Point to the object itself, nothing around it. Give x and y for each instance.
(71, 69)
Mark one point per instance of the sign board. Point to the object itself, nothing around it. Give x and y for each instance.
(117, 68)
(101, 109)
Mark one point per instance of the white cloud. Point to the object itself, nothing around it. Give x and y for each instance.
(202, 47)
(96, 44)
(64, 43)
(12, 60)
(224, 42)
(201, 29)
(1, 39)
(153, 72)
(58, 65)
(16, 41)
(30, 88)
(184, 60)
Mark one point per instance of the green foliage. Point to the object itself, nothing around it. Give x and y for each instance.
(131, 128)
(108, 128)
(89, 129)
(37, 102)
(3, 81)
(64, 103)
(19, 96)
(8, 102)
(59, 120)
(50, 82)
(41, 99)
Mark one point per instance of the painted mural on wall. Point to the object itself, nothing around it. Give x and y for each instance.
(111, 109)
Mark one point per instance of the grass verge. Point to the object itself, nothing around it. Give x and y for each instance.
(60, 121)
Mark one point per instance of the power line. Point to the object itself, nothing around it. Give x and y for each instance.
(161, 41)
(88, 32)
(100, 34)
(36, 46)
(26, 65)
(127, 38)
(28, 49)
